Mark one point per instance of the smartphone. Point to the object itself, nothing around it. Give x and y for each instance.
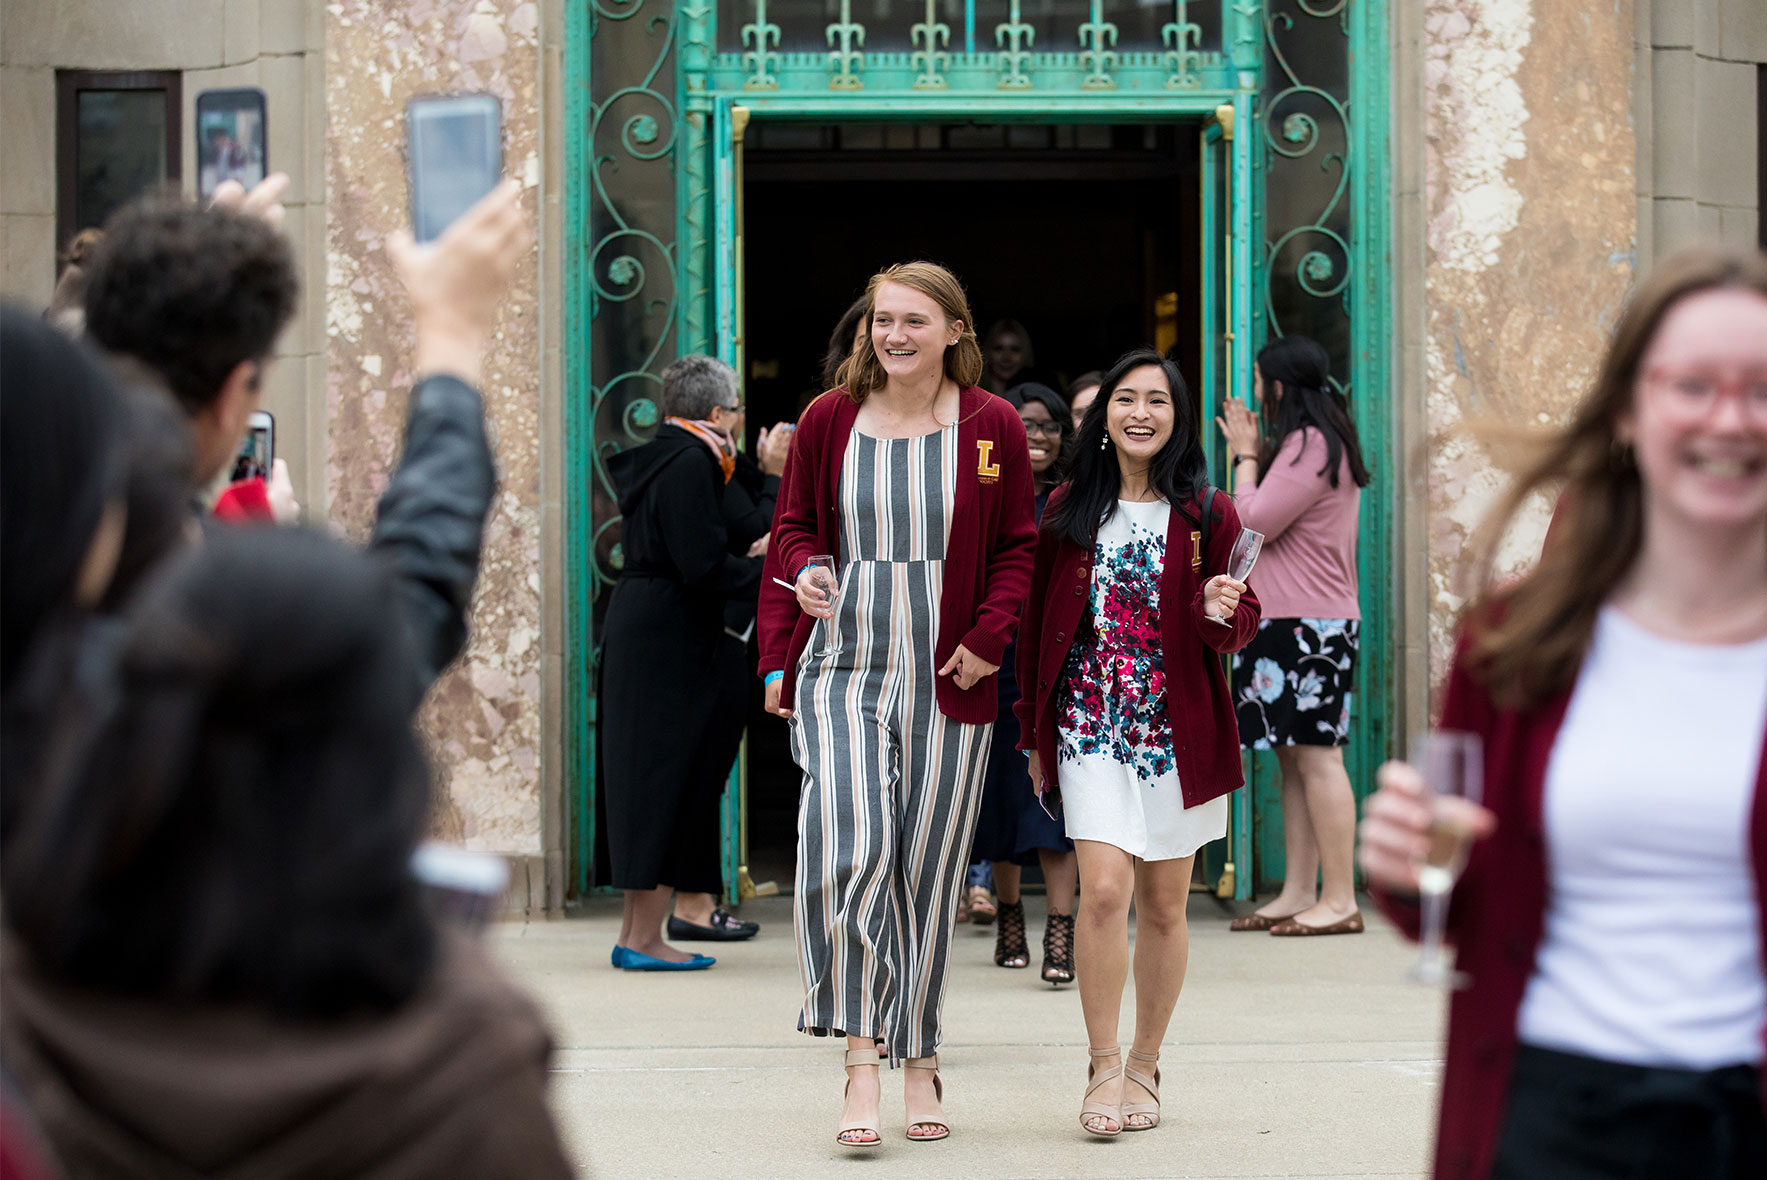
(454, 153)
(257, 451)
(230, 139)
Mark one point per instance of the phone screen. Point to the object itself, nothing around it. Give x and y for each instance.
(230, 141)
(455, 151)
(257, 451)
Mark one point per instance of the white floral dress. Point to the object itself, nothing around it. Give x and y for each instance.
(1119, 781)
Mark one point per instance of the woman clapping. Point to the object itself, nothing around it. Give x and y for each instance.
(1126, 712)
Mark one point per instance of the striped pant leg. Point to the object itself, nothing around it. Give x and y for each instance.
(844, 908)
(943, 767)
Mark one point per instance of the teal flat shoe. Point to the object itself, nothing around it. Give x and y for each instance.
(631, 960)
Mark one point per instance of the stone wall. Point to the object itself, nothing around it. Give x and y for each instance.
(484, 719)
(1530, 244)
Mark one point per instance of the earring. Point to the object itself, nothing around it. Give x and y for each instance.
(1104, 442)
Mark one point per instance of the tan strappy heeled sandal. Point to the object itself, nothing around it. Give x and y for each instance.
(927, 1119)
(1098, 1108)
(848, 1126)
(1151, 1085)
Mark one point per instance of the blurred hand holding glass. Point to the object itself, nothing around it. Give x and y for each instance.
(1452, 768)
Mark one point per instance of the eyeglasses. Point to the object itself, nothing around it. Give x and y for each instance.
(1039, 427)
(1695, 393)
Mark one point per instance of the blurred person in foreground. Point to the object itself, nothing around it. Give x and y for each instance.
(1302, 488)
(198, 296)
(1610, 914)
(672, 689)
(218, 961)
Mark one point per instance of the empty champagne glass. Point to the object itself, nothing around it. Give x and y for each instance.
(1453, 771)
(830, 587)
(1246, 548)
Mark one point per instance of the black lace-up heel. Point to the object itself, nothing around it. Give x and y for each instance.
(1058, 949)
(1010, 947)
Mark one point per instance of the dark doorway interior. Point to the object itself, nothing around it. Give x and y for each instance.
(1088, 235)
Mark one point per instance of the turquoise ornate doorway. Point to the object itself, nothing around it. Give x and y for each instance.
(1290, 228)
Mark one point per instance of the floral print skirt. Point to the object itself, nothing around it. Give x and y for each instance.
(1291, 683)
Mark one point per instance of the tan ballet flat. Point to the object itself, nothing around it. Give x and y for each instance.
(1151, 1085)
(848, 1126)
(927, 1119)
(1098, 1108)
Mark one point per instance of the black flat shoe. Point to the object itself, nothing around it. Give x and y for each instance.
(724, 928)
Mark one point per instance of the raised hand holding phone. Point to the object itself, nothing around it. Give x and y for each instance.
(457, 282)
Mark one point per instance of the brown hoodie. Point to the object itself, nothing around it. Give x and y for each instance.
(450, 1085)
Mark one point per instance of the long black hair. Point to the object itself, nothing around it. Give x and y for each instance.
(242, 827)
(1179, 473)
(1032, 391)
(1303, 368)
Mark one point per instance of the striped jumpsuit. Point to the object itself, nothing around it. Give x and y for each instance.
(891, 785)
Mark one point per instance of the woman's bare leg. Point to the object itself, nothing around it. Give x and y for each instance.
(1300, 873)
(1162, 952)
(1101, 946)
(1331, 811)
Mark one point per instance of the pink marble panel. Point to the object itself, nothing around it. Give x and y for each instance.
(1531, 237)
(483, 721)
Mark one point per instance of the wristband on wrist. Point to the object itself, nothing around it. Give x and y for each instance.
(806, 565)
(1239, 458)
(771, 677)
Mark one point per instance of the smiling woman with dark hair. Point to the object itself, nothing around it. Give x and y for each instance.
(1125, 713)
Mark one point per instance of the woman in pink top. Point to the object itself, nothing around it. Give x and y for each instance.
(1301, 488)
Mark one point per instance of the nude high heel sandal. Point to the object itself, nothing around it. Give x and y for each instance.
(1097, 1107)
(848, 1126)
(927, 1119)
(1151, 1085)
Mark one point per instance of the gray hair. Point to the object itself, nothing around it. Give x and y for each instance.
(696, 385)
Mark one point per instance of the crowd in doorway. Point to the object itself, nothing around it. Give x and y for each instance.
(1012, 629)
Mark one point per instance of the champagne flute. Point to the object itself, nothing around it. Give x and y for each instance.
(1453, 771)
(829, 585)
(1246, 548)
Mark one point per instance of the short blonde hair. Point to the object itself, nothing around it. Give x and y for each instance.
(862, 372)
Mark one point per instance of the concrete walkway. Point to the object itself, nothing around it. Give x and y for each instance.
(1287, 1057)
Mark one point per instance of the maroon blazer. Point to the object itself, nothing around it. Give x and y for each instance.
(1205, 735)
(1498, 913)
(987, 555)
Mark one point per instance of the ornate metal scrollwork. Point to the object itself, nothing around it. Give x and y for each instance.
(1183, 39)
(929, 37)
(1097, 60)
(846, 40)
(1313, 254)
(632, 283)
(761, 39)
(1014, 39)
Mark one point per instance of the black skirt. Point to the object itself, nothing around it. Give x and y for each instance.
(672, 708)
(1291, 683)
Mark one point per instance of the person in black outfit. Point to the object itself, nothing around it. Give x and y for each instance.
(666, 694)
(748, 522)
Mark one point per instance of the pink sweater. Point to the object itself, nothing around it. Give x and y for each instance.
(1308, 567)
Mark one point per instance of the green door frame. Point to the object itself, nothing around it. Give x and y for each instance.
(708, 90)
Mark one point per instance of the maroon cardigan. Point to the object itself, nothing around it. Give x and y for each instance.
(1205, 734)
(1498, 913)
(987, 555)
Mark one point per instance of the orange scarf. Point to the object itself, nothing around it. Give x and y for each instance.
(720, 444)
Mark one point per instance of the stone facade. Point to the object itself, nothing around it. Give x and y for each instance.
(484, 718)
